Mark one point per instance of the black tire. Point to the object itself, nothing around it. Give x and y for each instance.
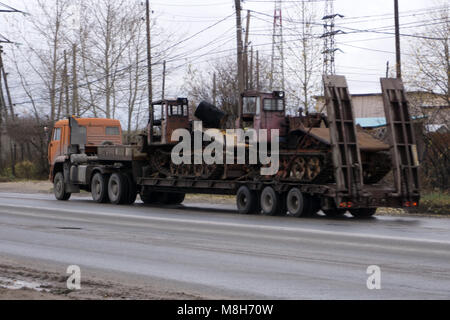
(295, 203)
(150, 197)
(363, 213)
(132, 190)
(99, 187)
(270, 202)
(118, 188)
(247, 201)
(173, 198)
(59, 187)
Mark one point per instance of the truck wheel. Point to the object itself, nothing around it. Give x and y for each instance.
(132, 190)
(246, 201)
(99, 188)
(150, 197)
(270, 202)
(295, 202)
(118, 188)
(363, 212)
(59, 188)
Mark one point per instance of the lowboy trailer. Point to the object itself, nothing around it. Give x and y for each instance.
(327, 163)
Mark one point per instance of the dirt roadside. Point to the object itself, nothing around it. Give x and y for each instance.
(22, 279)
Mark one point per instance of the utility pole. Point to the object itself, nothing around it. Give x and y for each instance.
(5, 80)
(251, 69)
(3, 109)
(214, 89)
(247, 28)
(149, 67)
(257, 70)
(397, 41)
(163, 80)
(66, 85)
(329, 44)
(75, 105)
(5, 9)
(239, 59)
(277, 62)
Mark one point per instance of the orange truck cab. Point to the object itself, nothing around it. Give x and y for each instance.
(98, 132)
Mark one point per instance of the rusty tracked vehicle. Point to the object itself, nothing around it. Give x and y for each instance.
(305, 146)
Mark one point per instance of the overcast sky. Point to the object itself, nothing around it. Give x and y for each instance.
(362, 66)
(363, 57)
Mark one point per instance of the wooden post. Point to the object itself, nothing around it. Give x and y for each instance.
(149, 67)
(214, 89)
(239, 59)
(8, 93)
(247, 28)
(397, 41)
(163, 80)
(66, 85)
(257, 70)
(251, 69)
(75, 105)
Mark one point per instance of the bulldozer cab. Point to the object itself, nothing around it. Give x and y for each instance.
(264, 111)
(168, 115)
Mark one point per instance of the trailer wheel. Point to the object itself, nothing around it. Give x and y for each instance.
(118, 188)
(246, 201)
(363, 212)
(99, 188)
(270, 202)
(295, 203)
(132, 190)
(59, 188)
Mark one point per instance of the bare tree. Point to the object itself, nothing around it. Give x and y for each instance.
(428, 68)
(48, 22)
(199, 85)
(305, 64)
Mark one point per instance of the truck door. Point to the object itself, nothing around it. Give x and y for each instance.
(54, 148)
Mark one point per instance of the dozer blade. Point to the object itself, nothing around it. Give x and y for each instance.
(344, 139)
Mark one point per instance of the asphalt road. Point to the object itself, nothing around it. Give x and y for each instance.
(211, 248)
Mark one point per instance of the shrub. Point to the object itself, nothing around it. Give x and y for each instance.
(25, 170)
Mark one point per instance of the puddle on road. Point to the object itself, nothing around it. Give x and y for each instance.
(8, 283)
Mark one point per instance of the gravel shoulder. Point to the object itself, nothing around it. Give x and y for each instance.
(27, 279)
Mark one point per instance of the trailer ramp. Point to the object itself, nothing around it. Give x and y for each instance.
(405, 162)
(344, 139)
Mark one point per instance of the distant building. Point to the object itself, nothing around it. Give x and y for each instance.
(369, 109)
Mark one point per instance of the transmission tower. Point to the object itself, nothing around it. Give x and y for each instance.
(277, 62)
(329, 44)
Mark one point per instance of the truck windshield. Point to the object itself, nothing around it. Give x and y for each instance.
(273, 104)
(249, 105)
(112, 131)
(179, 110)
